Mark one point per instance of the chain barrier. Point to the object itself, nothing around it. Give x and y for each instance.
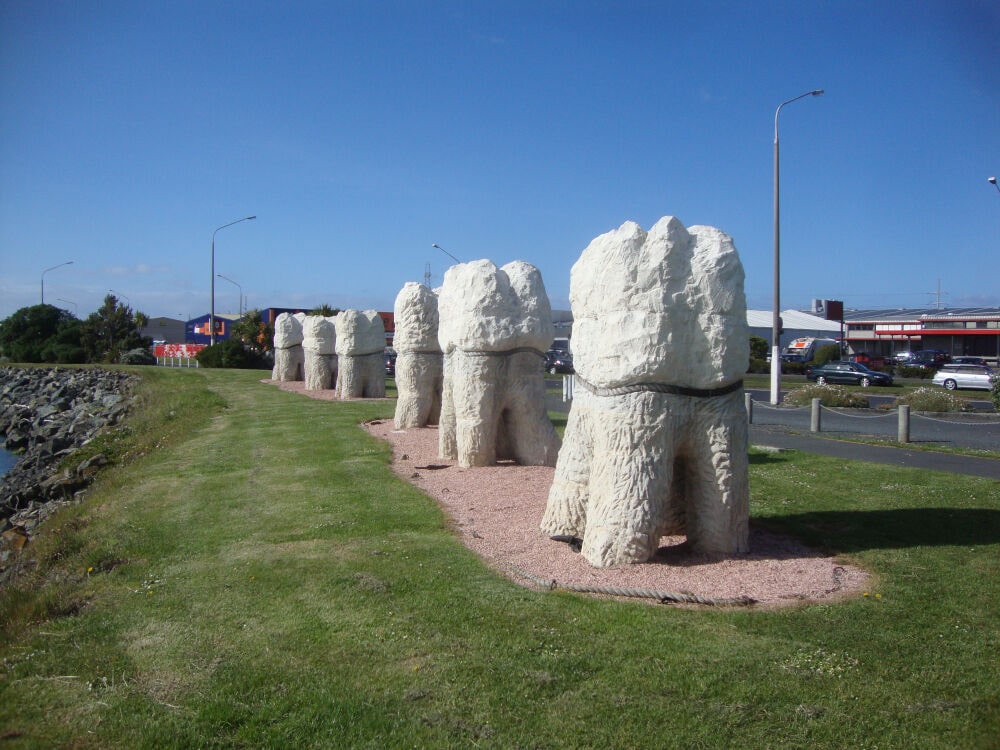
(665, 597)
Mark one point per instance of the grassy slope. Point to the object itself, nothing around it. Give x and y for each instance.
(262, 579)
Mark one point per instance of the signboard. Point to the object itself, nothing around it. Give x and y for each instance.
(177, 350)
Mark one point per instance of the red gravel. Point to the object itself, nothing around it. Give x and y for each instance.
(496, 511)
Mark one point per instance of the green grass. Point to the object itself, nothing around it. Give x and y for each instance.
(261, 579)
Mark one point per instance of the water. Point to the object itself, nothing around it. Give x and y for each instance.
(7, 460)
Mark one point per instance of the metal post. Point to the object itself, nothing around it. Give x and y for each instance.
(814, 421)
(903, 430)
(748, 402)
(776, 312)
(211, 314)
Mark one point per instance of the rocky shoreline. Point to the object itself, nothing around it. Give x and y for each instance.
(47, 414)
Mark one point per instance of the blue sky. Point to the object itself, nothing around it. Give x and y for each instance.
(361, 133)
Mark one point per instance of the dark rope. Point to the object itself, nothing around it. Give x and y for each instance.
(676, 390)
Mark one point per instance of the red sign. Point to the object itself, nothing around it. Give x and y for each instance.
(177, 350)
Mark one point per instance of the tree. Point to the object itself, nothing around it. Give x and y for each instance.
(41, 333)
(325, 310)
(111, 330)
(758, 347)
(254, 332)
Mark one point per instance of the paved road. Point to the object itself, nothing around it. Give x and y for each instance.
(789, 428)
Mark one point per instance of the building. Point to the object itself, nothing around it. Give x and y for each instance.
(969, 331)
(164, 330)
(196, 330)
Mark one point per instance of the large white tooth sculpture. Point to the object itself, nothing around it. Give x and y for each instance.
(288, 354)
(360, 354)
(656, 440)
(319, 341)
(495, 325)
(419, 361)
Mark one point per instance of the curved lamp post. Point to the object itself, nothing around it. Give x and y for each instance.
(446, 252)
(993, 182)
(68, 262)
(240, 305)
(211, 315)
(776, 314)
(69, 302)
(119, 295)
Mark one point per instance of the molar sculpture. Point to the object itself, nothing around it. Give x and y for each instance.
(319, 339)
(419, 361)
(656, 440)
(289, 357)
(495, 325)
(360, 354)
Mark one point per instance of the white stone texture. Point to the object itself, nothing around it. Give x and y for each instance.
(419, 362)
(319, 338)
(289, 358)
(360, 354)
(651, 311)
(496, 323)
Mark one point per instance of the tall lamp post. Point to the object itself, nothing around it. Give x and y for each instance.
(68, 262)
(240, 305)
(993, 182)
(211, 315)
(446, 252)
(776, 314)
(69, 302)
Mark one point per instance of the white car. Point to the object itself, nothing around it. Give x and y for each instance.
(953, 376)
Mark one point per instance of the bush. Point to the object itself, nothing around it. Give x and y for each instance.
(231, 353)
(828, 395)
(924, 373)
(137, 357)
(759, 365)
(933, 399)
(995, 393)
(828, 353)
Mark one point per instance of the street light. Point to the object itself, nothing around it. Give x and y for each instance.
(68, 302)
(240, 305)
(68, 262)
(776, 313)
(446, 252)
(211, 315)
(993, 182)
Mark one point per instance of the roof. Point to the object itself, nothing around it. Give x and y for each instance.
(923, 313)
(792, 320)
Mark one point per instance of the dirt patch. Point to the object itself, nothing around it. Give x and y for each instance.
(496, 511)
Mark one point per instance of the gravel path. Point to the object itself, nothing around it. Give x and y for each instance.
(496, 511)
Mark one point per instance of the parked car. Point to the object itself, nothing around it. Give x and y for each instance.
(849, 373)
(558, 361)
(390, 364)
(953, 376)
(968, 361)
(927, 358)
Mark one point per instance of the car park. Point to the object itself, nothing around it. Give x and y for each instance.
(848, 373)
(954, 376)
(558, 361)
(928, 358)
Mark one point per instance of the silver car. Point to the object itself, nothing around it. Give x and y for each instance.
(953, 376)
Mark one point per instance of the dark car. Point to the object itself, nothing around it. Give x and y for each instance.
(968, 361)
(927, 358)
(558, 361)
(390, 364)
(849, 373)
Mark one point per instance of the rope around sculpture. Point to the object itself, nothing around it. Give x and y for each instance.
(676, 390)
(665, 597)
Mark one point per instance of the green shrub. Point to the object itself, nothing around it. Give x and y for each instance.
(933, 399)
(759, 365)
(829, 395)
(828, 353)
(924, 373)
(137, 357)
(995, 392)
(793, 368)
(231, 353)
